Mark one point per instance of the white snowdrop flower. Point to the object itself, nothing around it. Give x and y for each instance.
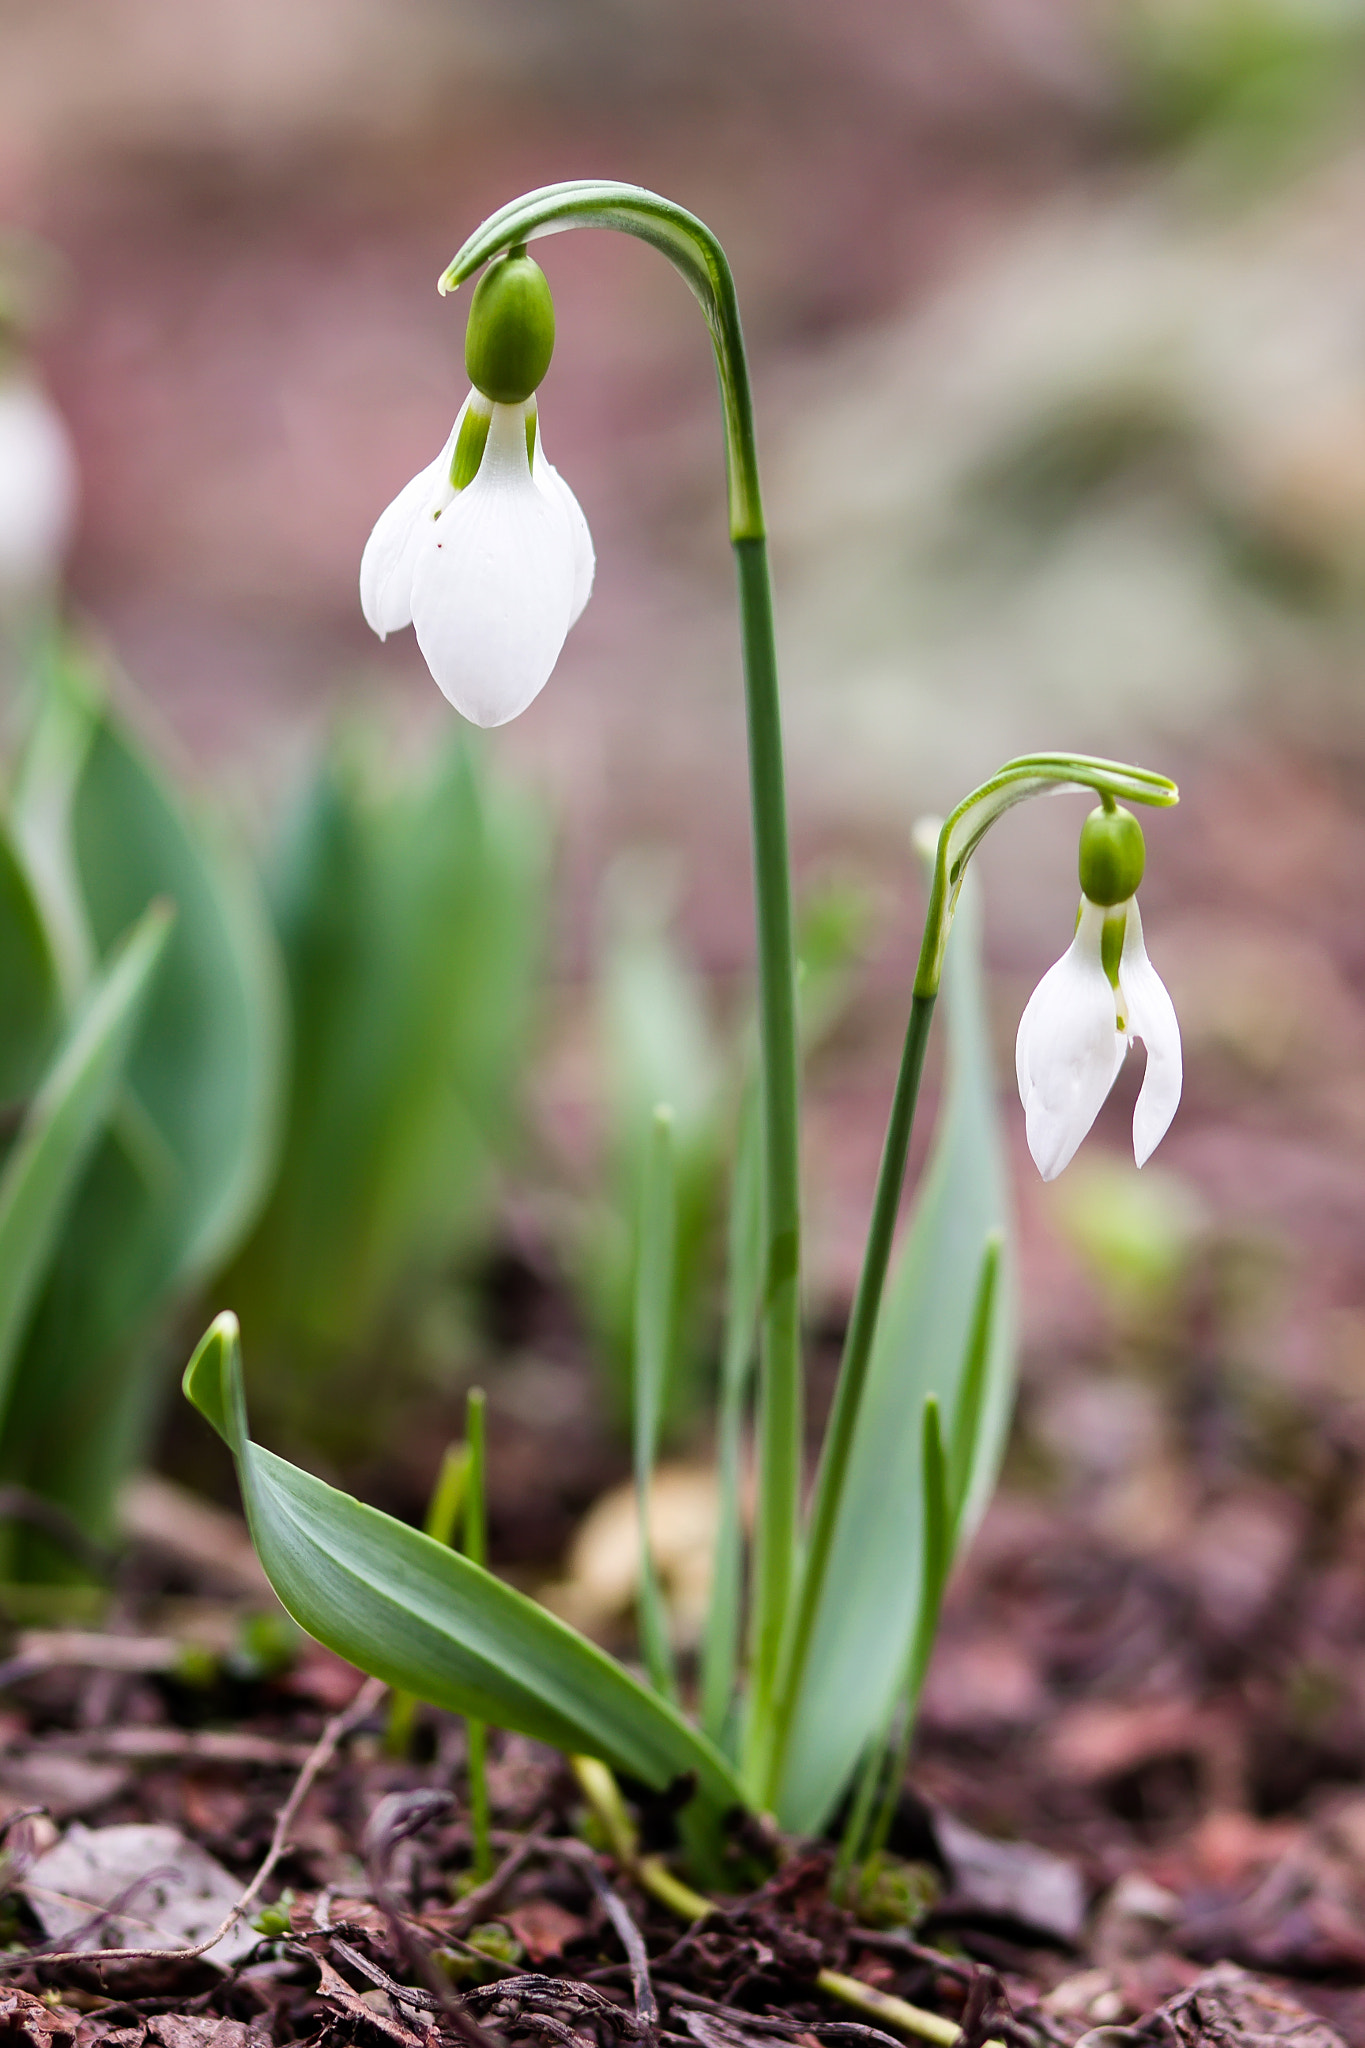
(1087, 1010)
(38, 486)
(486, 552)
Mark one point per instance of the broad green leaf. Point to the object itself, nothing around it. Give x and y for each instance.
(61, 1128)
(427, 1620)
(30, 1012)
(873, 1589)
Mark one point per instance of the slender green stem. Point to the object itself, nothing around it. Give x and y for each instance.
(476, 1550)
(699, 258)
(853, 1369)
(780, 1389)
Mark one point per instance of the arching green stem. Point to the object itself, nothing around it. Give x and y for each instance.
(694, 251)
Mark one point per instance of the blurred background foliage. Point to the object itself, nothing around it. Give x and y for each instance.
(1056, 314)
(409, 912)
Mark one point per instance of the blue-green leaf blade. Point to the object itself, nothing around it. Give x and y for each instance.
(873, 1588)
(428, 1621)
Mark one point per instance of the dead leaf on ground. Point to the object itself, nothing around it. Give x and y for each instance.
(165, 1891)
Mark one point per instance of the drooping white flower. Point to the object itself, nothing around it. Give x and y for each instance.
(38, 486)
(1075, 1030)
(492, 575)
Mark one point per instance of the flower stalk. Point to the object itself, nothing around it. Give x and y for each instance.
(957, 840)
(695, 252)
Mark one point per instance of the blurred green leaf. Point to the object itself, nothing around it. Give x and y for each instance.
(190, 1140)
(833, 922)
(659, 1045)
(62, 1126)
(427, 1620)
(873, 1589)
(30, 1015)
(1138, 1233)
(1262, 78)
(412, 929)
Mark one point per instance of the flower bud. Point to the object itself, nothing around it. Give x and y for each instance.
(1112, 856)
(511, 333)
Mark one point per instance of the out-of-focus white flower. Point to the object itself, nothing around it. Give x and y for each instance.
(491, 575)
(38, 486)
(1080, 1020)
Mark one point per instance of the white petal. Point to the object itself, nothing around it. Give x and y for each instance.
(493, 582)
(391, 550)
(1069, 1049)
(585, 561)
(38, 486)
(1150, 1016)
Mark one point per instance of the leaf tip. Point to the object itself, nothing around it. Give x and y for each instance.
(211, 1373)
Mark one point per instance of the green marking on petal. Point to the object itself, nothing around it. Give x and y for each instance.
(1111, 946)
(469, 447)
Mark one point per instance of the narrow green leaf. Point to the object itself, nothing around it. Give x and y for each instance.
(653, 1318)
(873, 1588)
(429, 1621)
(59, 1133)
(971, 1394)
(938, 1540)
(30, 1015)
(475, 1548)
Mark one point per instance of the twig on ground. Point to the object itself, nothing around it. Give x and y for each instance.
(890, 1943)
(476, 1903)
(633, 1942)
(321, 1754)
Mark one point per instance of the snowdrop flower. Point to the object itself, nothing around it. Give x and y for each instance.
(38, 487)
(1087, 1010)
(486, 552)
